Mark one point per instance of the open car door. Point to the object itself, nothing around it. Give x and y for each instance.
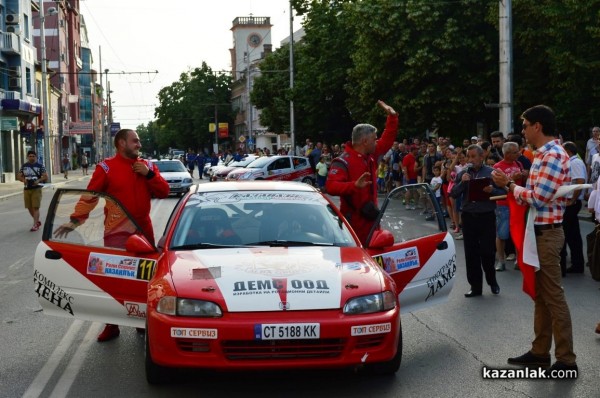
(421, 258)
(93, 262)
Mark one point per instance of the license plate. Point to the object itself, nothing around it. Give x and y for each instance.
(175, 185)
(286, 331)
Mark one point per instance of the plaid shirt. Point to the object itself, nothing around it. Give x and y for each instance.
(549, 171)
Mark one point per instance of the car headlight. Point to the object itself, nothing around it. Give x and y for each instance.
(188, 181)
(170, 305)
(372, 303)
(246, 176)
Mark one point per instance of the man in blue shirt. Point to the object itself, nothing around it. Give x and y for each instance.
(191, 161)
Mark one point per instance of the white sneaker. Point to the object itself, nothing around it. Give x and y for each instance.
(510, 257)
(500, 266)
(459, 236)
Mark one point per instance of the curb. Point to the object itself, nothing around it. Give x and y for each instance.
(47, 186)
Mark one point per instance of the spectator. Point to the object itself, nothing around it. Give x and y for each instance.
(479, 219)
(315, 155)
(410, 171)
(66, 164)
(459, 162)
(571, 219)
(513, 168)
(321, 169)
(32, 174)
(436, 186)
(201, 161)
(429, 160)
(497, 141)
(550, 170)
(382, 170)
(84, 163)
(591, 146)
(191, 159)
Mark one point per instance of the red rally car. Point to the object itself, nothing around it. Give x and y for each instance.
(248, 275)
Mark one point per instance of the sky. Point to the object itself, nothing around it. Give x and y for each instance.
(134, 39)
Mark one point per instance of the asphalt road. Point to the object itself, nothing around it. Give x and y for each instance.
(445, 348)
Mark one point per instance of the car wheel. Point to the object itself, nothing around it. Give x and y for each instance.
(155, 374)
(309, 181)
(390, 367)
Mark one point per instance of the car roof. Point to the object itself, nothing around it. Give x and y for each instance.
(255, 185)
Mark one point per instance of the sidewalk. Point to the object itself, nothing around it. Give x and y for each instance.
(16, 188)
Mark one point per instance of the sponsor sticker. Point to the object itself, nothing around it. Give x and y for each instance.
(193, 333)
(123, 267)
(364, 330)
(401, 260)
(135, 310)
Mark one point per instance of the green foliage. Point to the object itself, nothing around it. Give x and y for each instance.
(434, 61)
(187, 106)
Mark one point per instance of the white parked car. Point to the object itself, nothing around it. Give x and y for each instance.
(175, 173)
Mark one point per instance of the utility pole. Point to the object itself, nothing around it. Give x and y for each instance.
(506, 69)
(47, 131)
(292, 123)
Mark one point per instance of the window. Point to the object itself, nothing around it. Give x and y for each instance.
(28, 80)
(25, 27)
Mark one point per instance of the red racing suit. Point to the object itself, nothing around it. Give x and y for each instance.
(348, 167)
(115, 176)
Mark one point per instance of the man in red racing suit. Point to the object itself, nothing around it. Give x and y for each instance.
(133, 182)
(353, 174)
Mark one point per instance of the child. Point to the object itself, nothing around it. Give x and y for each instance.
(321, 168)
(381, 173)
(436, 184)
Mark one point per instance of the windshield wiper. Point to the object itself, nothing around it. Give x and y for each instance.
(203, 246)
(286, 243)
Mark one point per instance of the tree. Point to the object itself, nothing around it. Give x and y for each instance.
(186, 108)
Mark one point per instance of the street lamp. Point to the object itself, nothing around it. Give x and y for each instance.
(47, 159)
(216, 147)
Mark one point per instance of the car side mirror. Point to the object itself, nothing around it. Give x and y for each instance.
(138, 244)
(381, 238)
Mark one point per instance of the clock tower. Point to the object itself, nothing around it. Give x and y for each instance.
(250, 35)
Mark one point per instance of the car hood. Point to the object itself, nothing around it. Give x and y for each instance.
(243, 170)
(275, 278)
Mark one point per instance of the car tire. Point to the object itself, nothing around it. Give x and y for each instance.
(309, 181)
(390, 367)
(155, 374)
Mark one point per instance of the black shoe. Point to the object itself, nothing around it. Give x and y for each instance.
(529, 359)
(471, 293)
(495, 289)
(561, 366)
(573, 270)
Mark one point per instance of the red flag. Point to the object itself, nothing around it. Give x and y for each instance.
(518, 214)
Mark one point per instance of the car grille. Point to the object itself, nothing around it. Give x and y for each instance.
(239, 350)
(193, 345)
(174, 180)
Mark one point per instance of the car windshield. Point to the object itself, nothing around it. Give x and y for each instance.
(243, 162)
(170, 167)
(260, 162)
(259, 218)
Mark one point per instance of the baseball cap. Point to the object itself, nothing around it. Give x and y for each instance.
(474, 138)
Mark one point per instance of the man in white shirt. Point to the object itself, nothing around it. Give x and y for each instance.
(591, 147)
(570, 218)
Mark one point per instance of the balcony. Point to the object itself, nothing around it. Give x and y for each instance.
(10, 43)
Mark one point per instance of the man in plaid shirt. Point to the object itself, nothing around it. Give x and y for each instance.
(549, 171)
